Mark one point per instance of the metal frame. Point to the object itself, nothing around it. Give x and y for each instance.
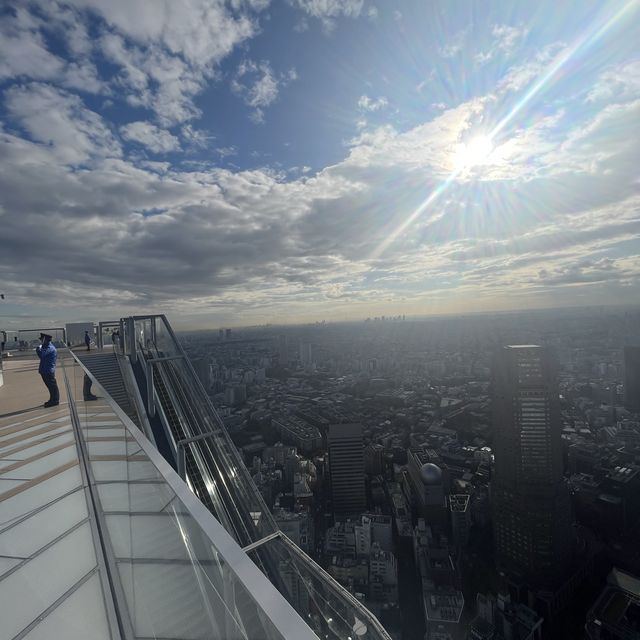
(104, 323)
(151, 405)
(181, 451)
(336, 588)
(64, 331)
(269, 600)
(117, 624)
(131, 387)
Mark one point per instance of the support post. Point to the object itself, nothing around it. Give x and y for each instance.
(131, 336)
(151, 405)
(181, 453)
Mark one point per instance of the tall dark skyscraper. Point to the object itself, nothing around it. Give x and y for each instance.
(531, 507)
(632, 378)
(346, 464)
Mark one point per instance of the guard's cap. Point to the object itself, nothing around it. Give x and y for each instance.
(46, 335)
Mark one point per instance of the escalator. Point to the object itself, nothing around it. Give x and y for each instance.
(205, 467)
(216, 473)
(177, 431)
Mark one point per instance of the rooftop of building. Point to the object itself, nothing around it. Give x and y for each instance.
(618, 606)
(459, 502)
(443, 605)
(623, 474)
(297, 425)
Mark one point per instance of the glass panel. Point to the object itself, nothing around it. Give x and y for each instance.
(26, 537)
(41, 465)
(79, 617)
(7, 563)
(174, 580)
(215, 462)
(328, 609)
(122, 496)
(35, 446)
(240, 506)
(41, 494)
(25, 594)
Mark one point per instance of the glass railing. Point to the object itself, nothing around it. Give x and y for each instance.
(329, 608)
(237, 501)
(28, 339)
(174, 570)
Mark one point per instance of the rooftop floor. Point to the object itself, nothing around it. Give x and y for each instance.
(23, 389)
(100, 539)
(50, 574)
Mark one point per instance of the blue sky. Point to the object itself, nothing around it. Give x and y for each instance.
(250, 161)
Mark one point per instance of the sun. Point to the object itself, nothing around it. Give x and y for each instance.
(474, 152)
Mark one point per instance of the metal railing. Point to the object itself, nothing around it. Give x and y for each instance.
(213, 465)
(232, 598)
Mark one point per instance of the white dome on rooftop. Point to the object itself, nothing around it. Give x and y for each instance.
(431, 473)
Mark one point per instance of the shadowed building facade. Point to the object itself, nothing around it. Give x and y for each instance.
(632, 378)
(531, 507)
(346, 464)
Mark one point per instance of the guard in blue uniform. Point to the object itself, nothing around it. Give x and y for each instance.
(48, 356)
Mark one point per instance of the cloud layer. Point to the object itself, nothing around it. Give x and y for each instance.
(98, 215)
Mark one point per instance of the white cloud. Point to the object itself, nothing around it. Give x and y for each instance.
(60, 119)
(165, 51)
(196, 138)
(153, 79)
(24, 54)
(225, 152)
(506, 39)
(258, 85)
(621, 82)
(147, 134)
(551, 210)
(520, 75)
(199, 31)
(454, 43)
(327, 11)
(365, 103)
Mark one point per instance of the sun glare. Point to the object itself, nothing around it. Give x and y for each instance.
(474, 152)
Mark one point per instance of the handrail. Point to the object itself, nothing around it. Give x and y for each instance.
(221, 449)
(272, 603)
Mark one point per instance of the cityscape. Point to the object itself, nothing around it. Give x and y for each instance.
(467, 477)
(319, 320)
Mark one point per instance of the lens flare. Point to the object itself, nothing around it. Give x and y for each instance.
(473, 153)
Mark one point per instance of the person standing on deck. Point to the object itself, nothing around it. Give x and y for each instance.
(47, 369)
(87, 340)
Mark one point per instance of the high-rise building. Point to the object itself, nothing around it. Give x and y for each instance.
(306, 353)
(346, 464)
(373, 459)
(632, 378)
(459, 505)
(429, 485)
(531, 507)
(203, 371)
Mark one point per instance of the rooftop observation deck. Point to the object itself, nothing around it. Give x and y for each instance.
(104, 536)
(99, 538)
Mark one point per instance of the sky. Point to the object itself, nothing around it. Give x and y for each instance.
(254, 161)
